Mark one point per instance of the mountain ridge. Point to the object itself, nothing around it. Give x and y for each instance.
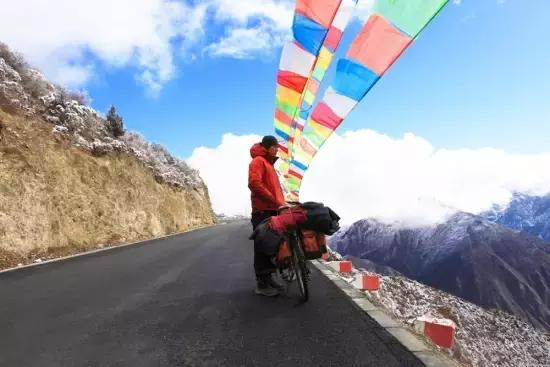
(525, 213)
(467, 255)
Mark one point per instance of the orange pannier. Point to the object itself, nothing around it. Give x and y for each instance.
(283, 256)
(315, 244)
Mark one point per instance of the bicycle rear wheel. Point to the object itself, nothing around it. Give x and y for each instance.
(300, 270)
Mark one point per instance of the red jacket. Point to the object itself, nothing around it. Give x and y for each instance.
(263, 182)
(287, 219)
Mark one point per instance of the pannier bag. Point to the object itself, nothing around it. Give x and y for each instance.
(315, 221)
(266, 240)
(288, 219)
(315, 244)
(283, 256)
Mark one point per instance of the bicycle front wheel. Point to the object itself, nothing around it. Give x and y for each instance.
(300, 269)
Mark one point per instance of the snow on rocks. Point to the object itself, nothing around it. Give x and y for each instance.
(167, 168)
(480, 337)
(25, 89)
(483, 337)
(60, 129)
(12, 93)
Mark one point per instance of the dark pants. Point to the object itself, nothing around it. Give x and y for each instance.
(262, 263)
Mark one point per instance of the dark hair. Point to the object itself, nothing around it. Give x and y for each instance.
(268, 141)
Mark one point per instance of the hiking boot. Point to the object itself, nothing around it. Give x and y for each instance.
(273, 283)
(266, 291)
(266, 286)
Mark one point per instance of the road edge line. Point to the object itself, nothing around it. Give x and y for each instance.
(99, 250)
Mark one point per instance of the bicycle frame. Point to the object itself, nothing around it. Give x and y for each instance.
(298, 264)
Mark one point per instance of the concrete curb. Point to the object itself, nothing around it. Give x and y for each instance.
(413, 343)
(93, 252)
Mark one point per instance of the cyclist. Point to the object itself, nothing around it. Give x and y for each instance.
(266, 196)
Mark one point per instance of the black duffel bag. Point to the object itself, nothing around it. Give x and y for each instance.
(266, 240)
(320, 218)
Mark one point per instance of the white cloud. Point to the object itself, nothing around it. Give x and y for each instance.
(278, 12)
(254, 27)
(225, 170)
(259, 27)
(366, 174)
(73, 74)
(245, 43)
(67, 39)
(194, 27)
(63, 37)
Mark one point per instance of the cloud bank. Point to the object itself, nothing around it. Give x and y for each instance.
(68, 40)
(366, 174)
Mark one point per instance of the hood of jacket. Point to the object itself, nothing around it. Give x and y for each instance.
(258, 150)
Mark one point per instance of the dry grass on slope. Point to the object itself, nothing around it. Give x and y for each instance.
(56, 199)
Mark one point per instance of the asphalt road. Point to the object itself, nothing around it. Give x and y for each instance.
(185, 300)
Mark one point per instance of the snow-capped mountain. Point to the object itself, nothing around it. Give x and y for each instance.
(468, 256)
(525, 213)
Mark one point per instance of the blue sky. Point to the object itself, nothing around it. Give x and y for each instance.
(186, 72)
(478, 76)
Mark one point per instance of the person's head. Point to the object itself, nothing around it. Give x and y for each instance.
(270, 144)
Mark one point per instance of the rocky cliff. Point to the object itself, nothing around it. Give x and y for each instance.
(67, 184)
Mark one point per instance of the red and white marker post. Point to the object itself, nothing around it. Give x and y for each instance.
(440, 331)
(367, 282)
(342, 266)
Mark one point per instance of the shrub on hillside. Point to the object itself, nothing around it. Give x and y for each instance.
(23, 89)
(13, 59)
(56, 112)
(31, 80)
(115, 124)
